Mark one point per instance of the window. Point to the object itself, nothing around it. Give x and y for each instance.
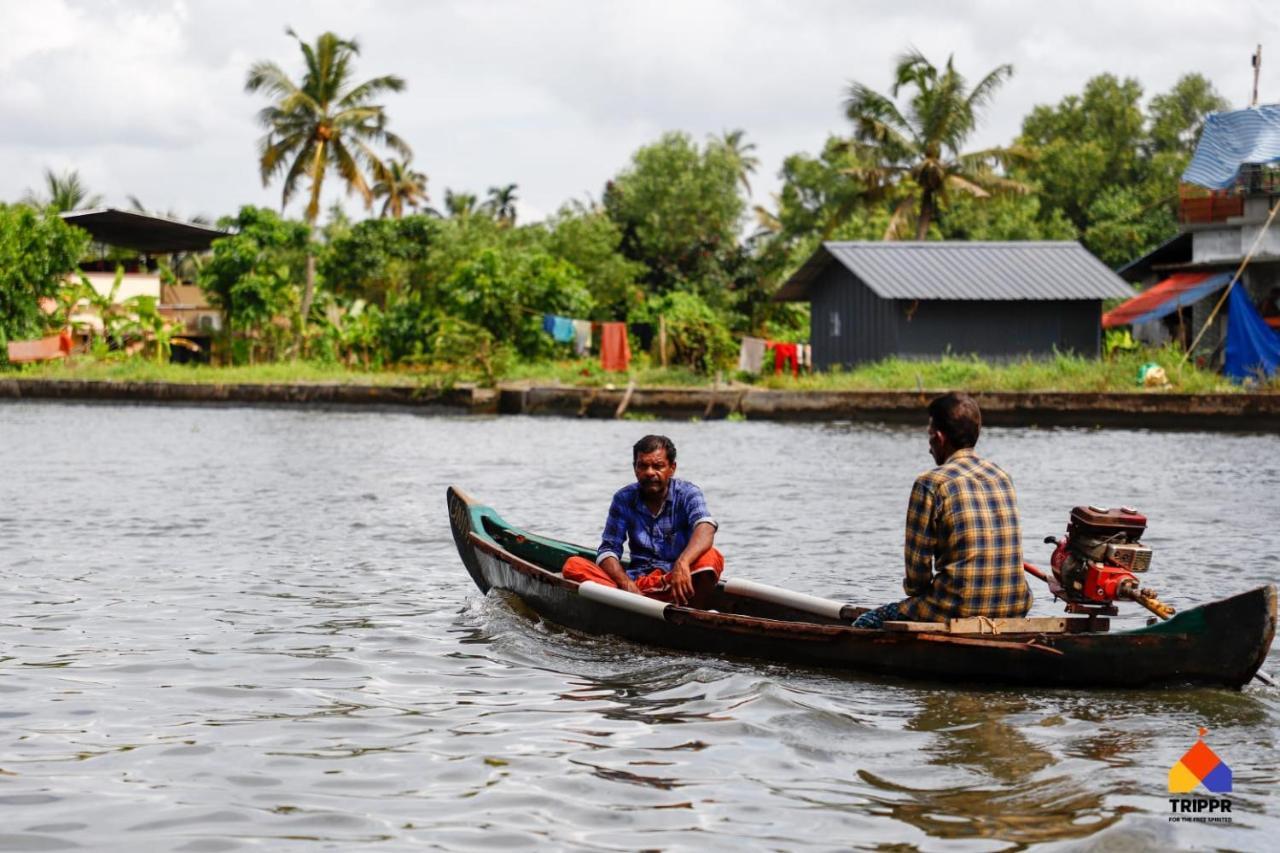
(835, 324)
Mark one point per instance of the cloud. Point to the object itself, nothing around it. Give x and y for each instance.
(147, 98)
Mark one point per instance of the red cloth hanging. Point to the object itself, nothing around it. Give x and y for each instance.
(781, 354)
(615, 352)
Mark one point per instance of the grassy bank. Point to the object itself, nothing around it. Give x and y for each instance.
(1062, 373)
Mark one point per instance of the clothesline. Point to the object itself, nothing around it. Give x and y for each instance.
(752, 350)
(615, 351)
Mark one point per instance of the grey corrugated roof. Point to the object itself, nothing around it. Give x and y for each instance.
(965, 270)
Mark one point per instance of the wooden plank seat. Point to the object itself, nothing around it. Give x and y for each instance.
(1002, 625)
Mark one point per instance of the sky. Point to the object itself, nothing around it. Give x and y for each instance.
(146, 98)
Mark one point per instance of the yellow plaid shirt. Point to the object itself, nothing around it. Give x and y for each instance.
(964, 543)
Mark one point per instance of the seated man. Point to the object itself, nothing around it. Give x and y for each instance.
(964, 541)
(670, 531)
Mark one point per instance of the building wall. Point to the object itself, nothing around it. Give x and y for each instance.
(131, 284)
(1231, 241)
(1009, 329)
(848, 323)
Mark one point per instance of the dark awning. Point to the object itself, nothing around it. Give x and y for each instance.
(142, 232)
(1177, 291)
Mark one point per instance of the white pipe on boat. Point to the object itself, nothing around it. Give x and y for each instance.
(623, 600)
(787, 598)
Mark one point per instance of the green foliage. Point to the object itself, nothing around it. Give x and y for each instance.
(36, 250)
(139, 319)
(591, 241)
(379, 259)
(1121, 227)
(253, 274)
(1177, 117)
(1110, 169)
(819, 193)
(679, 208)
(506, 292)
(1004, 218)
(698, 337)
(468, 347)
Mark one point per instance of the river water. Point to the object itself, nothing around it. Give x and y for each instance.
(237, 628)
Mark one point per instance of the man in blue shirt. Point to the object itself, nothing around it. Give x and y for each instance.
(670, 532)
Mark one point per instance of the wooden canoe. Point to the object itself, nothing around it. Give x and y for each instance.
(1222, 643)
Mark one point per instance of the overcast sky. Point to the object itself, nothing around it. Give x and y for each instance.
(147, 97)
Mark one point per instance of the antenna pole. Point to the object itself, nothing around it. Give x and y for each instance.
(1257, 69)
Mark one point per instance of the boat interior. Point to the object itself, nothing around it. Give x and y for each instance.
(549, 555)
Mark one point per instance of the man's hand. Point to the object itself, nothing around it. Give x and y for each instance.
(681, 581)
(630, 586)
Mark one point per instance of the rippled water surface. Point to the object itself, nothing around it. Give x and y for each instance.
(226, 629)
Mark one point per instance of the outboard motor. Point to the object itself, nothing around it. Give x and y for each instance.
(1095, 563)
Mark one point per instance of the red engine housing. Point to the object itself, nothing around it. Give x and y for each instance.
(1101, 523)
(1087, 580)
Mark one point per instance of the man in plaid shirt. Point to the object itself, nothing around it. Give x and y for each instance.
(964, 541)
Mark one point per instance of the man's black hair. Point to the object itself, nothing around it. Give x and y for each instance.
(958, 417)
(650, 443)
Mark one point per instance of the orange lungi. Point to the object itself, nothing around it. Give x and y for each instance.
(655, 584)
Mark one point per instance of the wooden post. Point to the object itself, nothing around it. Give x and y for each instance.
(626, 400)
(662, 340)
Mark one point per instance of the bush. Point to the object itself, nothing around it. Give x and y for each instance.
(699, 337)
(36, 251)
(469, 348)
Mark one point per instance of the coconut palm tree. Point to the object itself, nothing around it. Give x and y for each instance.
(735, 142)
(923, 141)
(64, 192)
(501, 204)
(402, 187)
(460, 205)
(320, 123)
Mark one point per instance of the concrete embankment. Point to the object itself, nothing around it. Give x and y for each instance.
(316, 394)
(1137, 410)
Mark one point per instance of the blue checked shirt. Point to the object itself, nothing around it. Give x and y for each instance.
(964, 543)
(656, 540)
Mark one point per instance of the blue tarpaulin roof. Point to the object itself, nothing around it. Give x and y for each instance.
(1253, 348)
(1231, 140)
(1177, 291)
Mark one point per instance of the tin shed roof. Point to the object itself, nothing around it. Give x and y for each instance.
(143, 232)
(964, 270)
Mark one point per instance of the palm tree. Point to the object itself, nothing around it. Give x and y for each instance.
(501, 204)
(459, 205)
(401, 186)
(924, 142)
(323, 122)
(740, 150)
(65, 192)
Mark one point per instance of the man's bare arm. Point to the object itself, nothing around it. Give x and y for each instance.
(613, 568)
(700, 542)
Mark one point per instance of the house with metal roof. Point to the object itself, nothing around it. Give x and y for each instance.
(871, 301)
(1225, 204)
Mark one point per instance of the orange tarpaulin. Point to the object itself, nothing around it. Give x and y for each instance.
(41, 349)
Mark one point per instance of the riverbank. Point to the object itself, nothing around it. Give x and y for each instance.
(1151, 410)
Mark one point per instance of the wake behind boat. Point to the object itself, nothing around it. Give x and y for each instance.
(1222, 643)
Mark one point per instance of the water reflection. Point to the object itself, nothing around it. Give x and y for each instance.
(971, 737)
